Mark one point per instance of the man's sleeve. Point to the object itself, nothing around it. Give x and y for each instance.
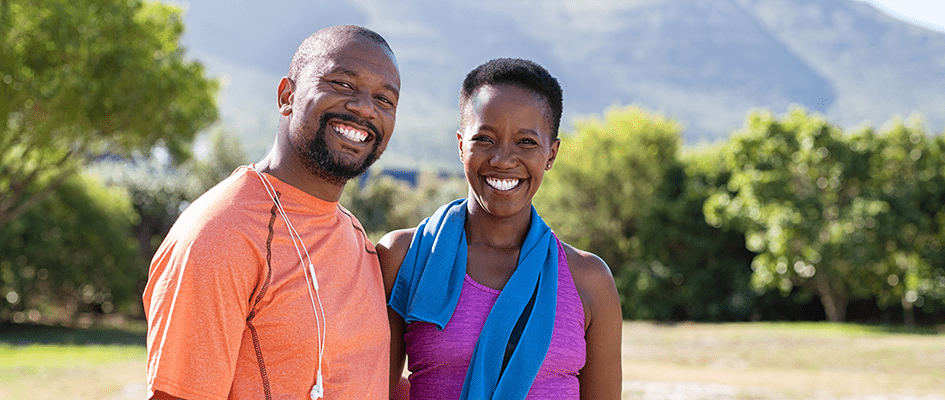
(197, 300)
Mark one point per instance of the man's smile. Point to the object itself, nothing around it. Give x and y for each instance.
(351, 133)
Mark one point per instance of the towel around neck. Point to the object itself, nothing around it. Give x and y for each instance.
(428, 285)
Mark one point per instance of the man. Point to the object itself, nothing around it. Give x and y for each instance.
(265, 287)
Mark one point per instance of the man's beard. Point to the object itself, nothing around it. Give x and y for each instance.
(317, 157)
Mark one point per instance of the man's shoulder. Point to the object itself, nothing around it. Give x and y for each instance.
(230, 206)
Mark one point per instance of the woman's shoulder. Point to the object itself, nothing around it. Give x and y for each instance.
(391, 250)
(587, 266)
(594, 283)
(397, 239)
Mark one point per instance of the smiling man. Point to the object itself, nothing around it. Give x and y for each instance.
(266, 287)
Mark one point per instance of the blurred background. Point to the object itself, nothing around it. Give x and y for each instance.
(731, 160)
(734, 160)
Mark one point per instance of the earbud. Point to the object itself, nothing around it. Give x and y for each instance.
(318, 391)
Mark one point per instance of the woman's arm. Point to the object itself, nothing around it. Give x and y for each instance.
(391, 250)
(601, 377)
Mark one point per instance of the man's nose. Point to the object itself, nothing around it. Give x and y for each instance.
(362, 104)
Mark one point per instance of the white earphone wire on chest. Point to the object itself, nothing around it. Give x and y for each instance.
(318, 390)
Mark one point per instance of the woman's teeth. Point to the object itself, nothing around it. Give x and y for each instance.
(351, 133)
(502, 184)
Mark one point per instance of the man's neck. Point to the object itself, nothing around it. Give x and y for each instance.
(289, 170)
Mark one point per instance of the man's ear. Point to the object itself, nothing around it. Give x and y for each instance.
(459, 140)
(286, 95)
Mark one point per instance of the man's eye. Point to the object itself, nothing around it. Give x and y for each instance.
(385, 100)
(343, 84)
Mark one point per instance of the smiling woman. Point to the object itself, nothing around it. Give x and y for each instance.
(485, 301)
(506, 147)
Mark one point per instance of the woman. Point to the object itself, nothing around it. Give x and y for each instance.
(484, 299)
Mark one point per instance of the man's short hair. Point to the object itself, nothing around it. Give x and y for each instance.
(516, 71)
(317, 42)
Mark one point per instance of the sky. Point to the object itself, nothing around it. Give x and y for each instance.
(220, 43)
(927, 13)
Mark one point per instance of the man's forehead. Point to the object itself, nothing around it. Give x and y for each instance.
(332, 54)
(334, 44)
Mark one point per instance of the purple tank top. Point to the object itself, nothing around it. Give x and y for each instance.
(438, 360)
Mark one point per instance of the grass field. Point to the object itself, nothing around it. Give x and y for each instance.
(757, 361)
(781, 361)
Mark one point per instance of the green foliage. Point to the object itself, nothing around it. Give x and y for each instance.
(383, 204)
(225, 154)
(835, 214)
(83, 78)
(908, 175)
(604, 179)
(85, 249)
(709, 266)
(71, 253)
(620, 190)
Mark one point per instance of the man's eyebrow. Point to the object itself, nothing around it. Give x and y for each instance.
(392, 89)
(344, 71)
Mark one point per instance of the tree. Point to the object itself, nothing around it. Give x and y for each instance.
(703, 271)
(907, 174)
(71, 253)
(604, 180)
(80, 79)
(802, 192)
(620, 190)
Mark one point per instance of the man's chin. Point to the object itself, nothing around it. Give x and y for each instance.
(334, 166)
(340, 173)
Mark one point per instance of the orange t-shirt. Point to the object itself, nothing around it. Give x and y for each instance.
(229, 312)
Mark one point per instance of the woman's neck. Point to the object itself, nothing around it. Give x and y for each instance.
(484, 229)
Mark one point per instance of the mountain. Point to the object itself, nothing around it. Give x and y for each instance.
(705, 63)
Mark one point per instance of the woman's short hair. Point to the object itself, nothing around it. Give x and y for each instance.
(516, 71)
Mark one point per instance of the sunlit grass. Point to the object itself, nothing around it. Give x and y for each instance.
(42, 362)
(33, 357)
(787, 360)
(684, 361)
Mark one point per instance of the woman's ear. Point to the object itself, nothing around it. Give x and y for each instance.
(285, 95)
(554, 153)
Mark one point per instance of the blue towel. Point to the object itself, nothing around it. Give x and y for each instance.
(429, 282)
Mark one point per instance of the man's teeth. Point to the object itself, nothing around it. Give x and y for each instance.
(502, 184)
(352, 134)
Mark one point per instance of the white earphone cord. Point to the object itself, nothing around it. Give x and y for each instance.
(320, 326)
